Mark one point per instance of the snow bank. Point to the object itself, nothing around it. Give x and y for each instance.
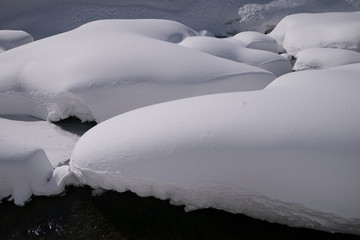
(287, 154)
(323, 30)
(108, 67)
(25, 170)
(56, 143)
(234, 49)
(318, 58)
(42, 18)
(10, 39)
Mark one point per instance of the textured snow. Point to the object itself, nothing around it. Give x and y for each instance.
(42, 18)
(322, 30)
(235, 49)
(287, 154)
(11, 38)
(56, 143)
(108, 67)
(25, 170)
(318, 58)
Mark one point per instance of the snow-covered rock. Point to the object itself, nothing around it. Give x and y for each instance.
(287, 154)
(13, 38)
(234, 49)
(108, 67)
(256, 40)
(318, 58)
(322, 30)
(56, 143)
(25, 170)
(263, 15)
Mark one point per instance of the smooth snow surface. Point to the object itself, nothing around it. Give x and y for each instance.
(235, 49)
(10, 39)
(26, 170)
(318, 58)
(323, 30)
(42, 18)
(108, 67)
(256, 40)
(287, 154)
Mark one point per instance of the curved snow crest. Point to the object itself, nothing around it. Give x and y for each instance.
(26, 171)
(108, 67)
(250, 52)
(13, 38)
(319, 58)
(286, 154)
(321, 30)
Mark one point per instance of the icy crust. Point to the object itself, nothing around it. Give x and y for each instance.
(286, 154)
(13, 38)
(319, 58)
(108, 67)
(322, 30)
(26, 171)
(240, 50)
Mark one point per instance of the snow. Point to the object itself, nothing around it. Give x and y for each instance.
(322, 30)
(11, 38)
(318, 58)
(43, 18)
(56, 143)
(25, 170)
(235, 49)
(256, 40)
(108, 67)
(287, 154)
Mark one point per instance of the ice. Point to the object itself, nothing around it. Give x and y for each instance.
(11, 38)
(322, 30)
(287, 154)
(318, 58)
(236, 50)
(108, 67)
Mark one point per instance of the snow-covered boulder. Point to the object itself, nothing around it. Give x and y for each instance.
(26, 170)
(13, 38)
(286, 154)
(108, 67)
(322, 30)
(233, 49)
(256, 40)
(318, 58)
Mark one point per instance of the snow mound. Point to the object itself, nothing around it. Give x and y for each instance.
(25, 170)
(256, 40)
(287, 154)
(56, 143)
(234, 49)
(11, 38)
(263, 15)
(322, 30)
(318, 58)
(108, 67)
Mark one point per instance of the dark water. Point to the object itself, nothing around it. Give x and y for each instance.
(79, 215)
